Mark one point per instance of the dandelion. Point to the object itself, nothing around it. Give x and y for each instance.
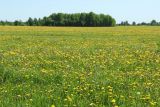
(53, 105)
(44, 71)
(138, 93)
(12, 53)
(110, 90)
(153, 103)
(69, 98)
(113, 101)
(91, 104)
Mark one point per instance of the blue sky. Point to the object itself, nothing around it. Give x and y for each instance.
(131, 10)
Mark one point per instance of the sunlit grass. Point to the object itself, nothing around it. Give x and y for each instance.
(79, 67)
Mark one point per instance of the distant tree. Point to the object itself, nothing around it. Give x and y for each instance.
(2, 23)
(91, 19)
(122, 23)
(40, 22)
(153, 23)
(106, 21)
(16, 23)
(30, 22)
(61, 19)
(82, 19)
(47, 21)
(143, 23)
(125, 23)
(134, 23)
(35, 22)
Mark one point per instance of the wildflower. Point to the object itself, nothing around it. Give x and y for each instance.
(69, 98)
(31, 100)
(110, 90)
(153, 103)
(110, 93)
(138, 93)
(122, 97)
(92, 104)
(12, 53)
(18, 95)
(44, 71)
(65, 99)
(53, 105)
(109, 87)
(102, 88)
(147, 97)
(113, 101)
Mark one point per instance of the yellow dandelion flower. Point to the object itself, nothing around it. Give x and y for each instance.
(69, 98)
(53, 105)
(113, 101)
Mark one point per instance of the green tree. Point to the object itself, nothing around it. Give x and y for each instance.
(134, 23)
(30, 22)
(153, 22)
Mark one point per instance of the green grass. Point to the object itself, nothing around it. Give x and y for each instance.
(79, 67)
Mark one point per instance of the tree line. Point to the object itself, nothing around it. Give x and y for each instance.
(152, 23)
(63, 19)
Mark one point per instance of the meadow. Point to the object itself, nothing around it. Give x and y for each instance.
(79, 67)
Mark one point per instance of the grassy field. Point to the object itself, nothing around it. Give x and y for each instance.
(79, 67)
